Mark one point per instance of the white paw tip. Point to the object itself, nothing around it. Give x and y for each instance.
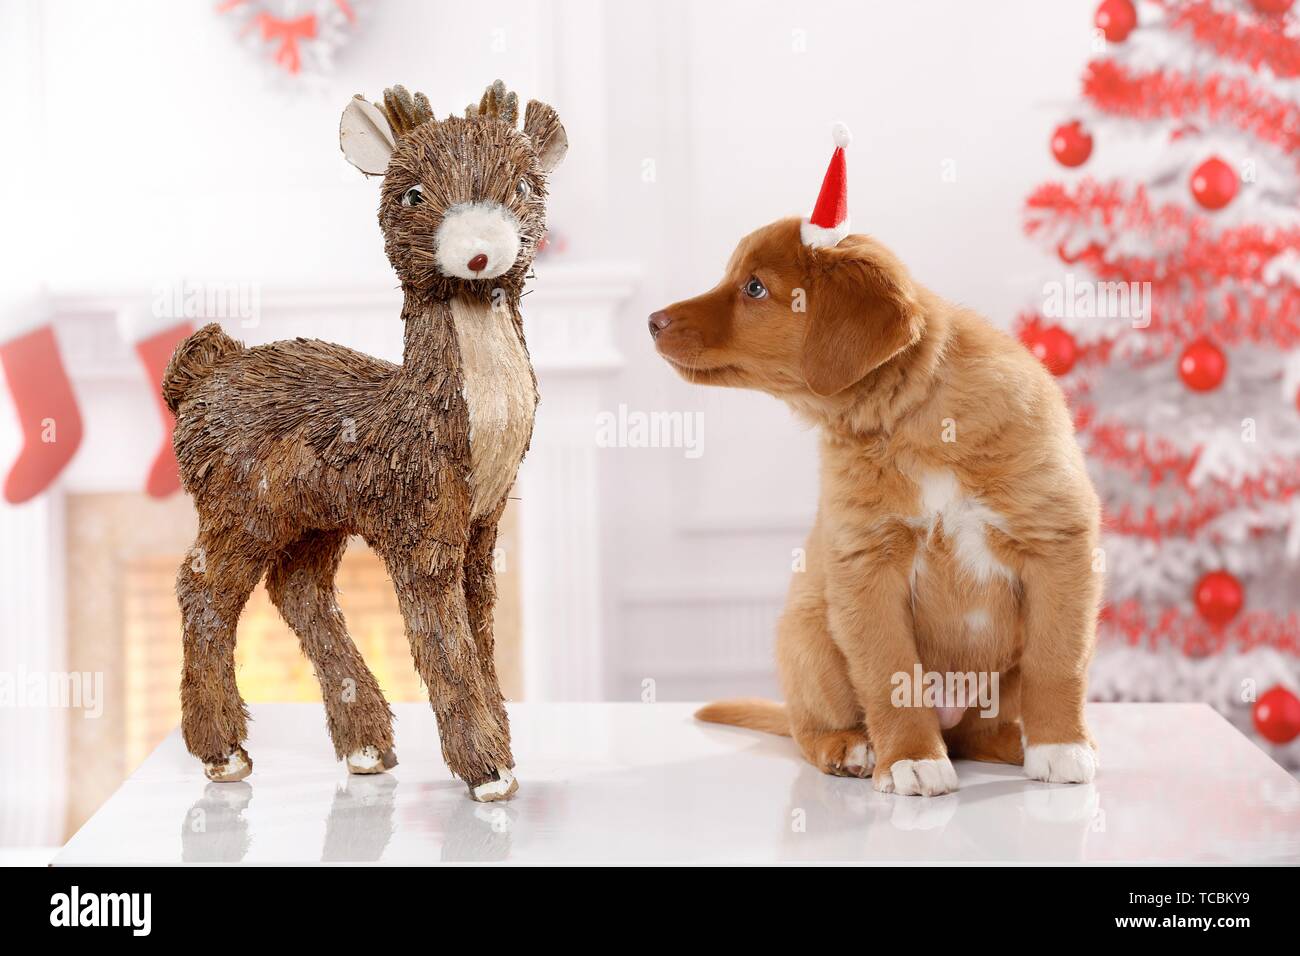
(1061, 763)
(918, 778)
(498, 789)
(235, 767)
(860, 757)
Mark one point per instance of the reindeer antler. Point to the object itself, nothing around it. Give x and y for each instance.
(403, 111)
(496, 104)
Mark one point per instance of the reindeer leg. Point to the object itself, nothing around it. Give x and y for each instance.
(301, 585)
(212, 586)
(430, 583)
(480, 602)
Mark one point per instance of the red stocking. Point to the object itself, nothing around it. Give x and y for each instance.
(47, 411)
(155, 346)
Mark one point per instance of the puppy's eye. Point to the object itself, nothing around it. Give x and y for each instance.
(755, 289)
(413, 196)
(522, 189)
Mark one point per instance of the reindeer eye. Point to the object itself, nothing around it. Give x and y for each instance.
(413, 196)
(522, 189)
(755, 289)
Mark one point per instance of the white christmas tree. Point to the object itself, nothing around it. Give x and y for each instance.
(1175, 329)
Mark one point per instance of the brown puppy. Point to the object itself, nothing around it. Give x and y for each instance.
(956, 528)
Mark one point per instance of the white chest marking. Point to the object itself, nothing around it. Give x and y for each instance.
(498, 388)
(964, 520)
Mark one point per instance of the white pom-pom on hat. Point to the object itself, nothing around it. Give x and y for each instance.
(841, 135)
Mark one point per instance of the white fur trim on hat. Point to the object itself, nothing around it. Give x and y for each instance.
(823, 237)
(840, 135)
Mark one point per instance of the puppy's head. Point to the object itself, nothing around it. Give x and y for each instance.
(793, 320)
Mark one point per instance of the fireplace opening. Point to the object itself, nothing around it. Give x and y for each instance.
(123, 621)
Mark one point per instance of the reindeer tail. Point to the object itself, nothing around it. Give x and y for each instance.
(765, 715)
(193, 361)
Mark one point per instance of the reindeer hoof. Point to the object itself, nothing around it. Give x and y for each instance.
(500, 786)
(234, 768)
(370, 760)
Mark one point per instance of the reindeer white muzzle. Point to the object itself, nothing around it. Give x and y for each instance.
(478, 240)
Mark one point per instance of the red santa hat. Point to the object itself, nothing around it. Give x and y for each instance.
(829, 222)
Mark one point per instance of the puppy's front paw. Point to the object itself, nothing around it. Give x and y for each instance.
(1061, 763)
(918, 778)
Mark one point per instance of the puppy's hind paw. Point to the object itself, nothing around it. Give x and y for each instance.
(1061, 763)
(918, 778)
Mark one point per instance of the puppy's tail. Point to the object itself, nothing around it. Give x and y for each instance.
(752, 712)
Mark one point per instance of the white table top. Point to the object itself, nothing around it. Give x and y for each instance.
(645, 782)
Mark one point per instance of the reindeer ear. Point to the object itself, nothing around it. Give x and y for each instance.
(365, 137)
(861, 314)
(542, 126)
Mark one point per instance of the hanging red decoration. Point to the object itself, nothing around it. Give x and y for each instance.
(1202, 366)
(45, 405)
(1219, 597)
(1071, 144)
(297, 36)
(1214, 183)
(1165, 92)
(1054, 347)
(1116, 19)
(1277, 715)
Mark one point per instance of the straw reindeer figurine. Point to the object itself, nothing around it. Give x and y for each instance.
(291, 447)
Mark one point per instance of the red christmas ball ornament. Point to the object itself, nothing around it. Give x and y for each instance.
(1219, 597)
(1116, 19)
(1272, 6)
(1214, 183)
(1277, 715)
(1202, 366)
(1054, 347)
(1071, 144)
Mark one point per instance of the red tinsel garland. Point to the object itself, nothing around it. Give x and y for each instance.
(1186, 243)
(1125, 448)
(1157, 459)
(1187, 519)
(1235, 38)
(1163, 93)
(1178, 315)
(1128, 622)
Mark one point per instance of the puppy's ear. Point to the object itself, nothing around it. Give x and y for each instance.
(861, 314)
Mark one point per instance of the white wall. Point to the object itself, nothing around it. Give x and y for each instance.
(158, 150)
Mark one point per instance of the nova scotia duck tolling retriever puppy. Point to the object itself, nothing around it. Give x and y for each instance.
(954, 541)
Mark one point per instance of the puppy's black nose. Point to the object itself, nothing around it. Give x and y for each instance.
(658, 322)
